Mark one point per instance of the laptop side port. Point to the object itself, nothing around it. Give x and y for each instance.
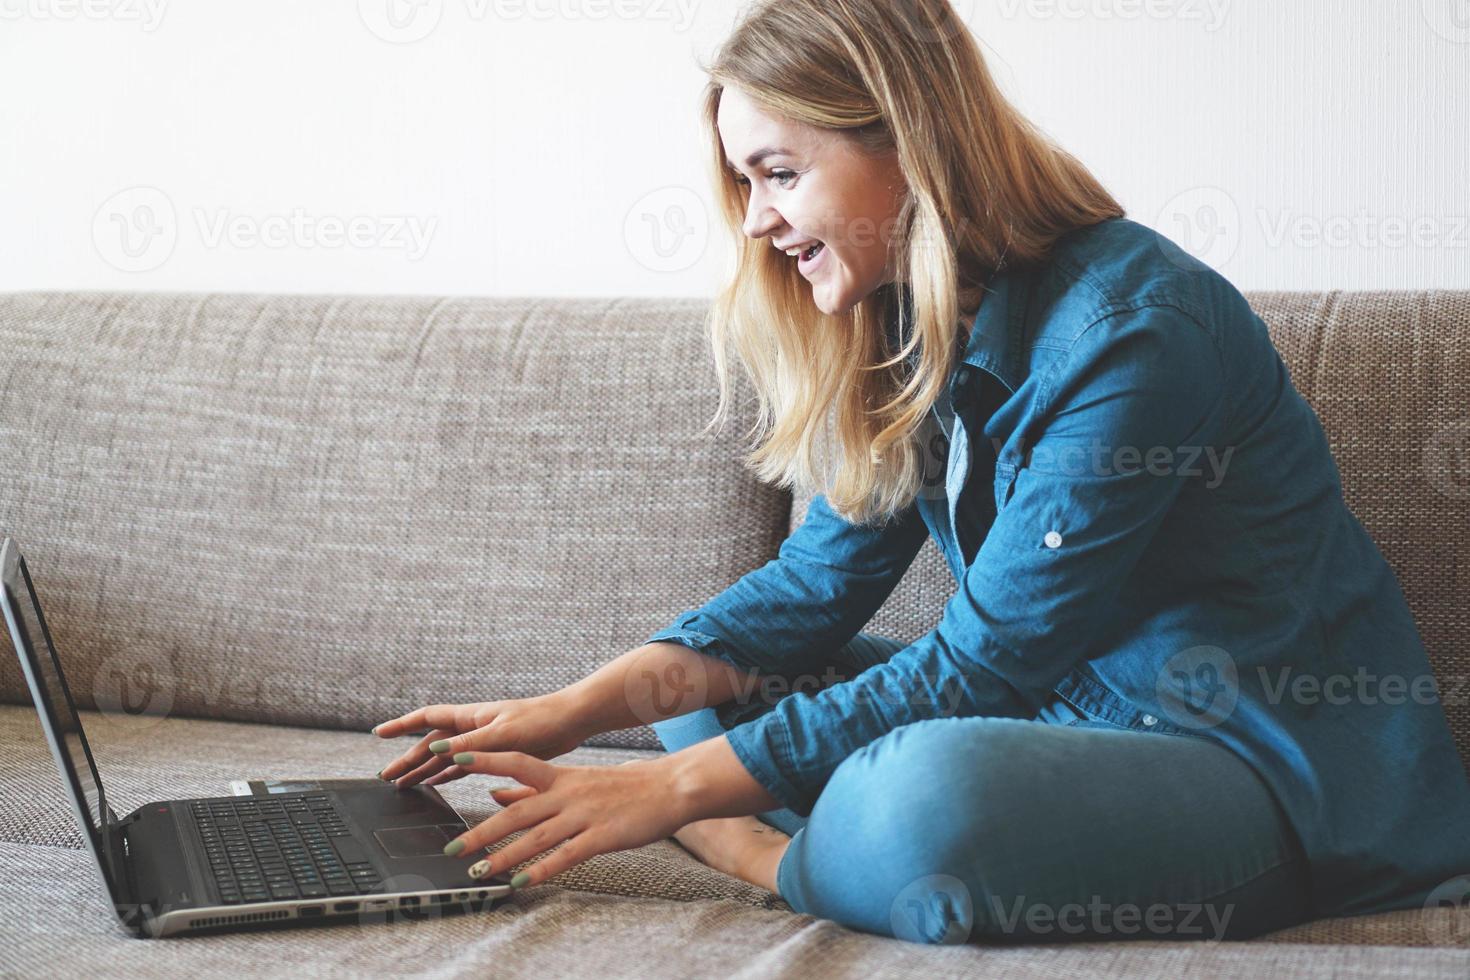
(309, 911)
(344, 907)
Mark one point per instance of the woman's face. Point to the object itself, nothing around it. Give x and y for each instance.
(817, 189)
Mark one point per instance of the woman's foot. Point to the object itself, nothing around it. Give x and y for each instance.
(744, 847)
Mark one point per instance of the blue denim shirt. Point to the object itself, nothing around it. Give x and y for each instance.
(1158, 541)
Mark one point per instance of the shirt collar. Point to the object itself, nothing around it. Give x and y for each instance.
(991, 344)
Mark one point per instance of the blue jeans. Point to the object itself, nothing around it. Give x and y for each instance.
(981, 829)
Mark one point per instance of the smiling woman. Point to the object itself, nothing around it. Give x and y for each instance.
(1083, 745)
(872, 197)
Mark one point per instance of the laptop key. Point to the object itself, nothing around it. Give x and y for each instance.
(351, 851)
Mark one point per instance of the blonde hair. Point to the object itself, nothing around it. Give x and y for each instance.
(986, 189)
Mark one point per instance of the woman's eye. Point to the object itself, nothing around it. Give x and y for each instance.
(782, 178)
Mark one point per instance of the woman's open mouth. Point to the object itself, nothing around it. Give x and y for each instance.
(812, 258)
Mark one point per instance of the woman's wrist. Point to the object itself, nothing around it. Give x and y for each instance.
(577, 709)
(707, 779)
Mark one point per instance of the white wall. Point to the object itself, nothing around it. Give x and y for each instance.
(549, 146)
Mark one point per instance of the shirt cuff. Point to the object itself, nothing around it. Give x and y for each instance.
(763, 747)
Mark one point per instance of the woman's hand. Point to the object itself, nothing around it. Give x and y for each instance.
(591, 810)
(544, 727)
(588, 810)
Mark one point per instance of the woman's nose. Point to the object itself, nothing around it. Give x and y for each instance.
(760, 220)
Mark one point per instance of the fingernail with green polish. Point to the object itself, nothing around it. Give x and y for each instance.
(373, 730)
(464, 758)
(380, 772)
(453, 847)
(520, 879)
(442, 745)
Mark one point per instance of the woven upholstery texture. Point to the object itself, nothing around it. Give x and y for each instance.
(53, 906)
(328, 510)
(1388, 374)
(258, 520)
(146, 758)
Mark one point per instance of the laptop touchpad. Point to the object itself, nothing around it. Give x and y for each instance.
(407, 842)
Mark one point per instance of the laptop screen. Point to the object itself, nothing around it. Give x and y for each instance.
(53, 701)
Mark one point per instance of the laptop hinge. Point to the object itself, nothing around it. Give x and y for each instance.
(120, 866)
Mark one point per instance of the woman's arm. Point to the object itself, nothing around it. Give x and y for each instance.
(650, 683)
(654, 682)
(583, 811)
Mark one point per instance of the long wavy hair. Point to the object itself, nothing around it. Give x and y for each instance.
(843, 406)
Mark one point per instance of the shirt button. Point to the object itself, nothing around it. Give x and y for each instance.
(1052, 539)
(1150, 720)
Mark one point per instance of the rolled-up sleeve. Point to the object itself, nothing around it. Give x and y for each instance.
(791, 614)
(1080, 515)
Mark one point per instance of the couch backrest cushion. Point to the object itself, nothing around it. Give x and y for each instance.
(327, 510)
(1388, 373)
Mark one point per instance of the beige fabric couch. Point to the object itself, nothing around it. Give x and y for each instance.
(260, 524)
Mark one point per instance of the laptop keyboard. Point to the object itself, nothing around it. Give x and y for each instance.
(269, 850)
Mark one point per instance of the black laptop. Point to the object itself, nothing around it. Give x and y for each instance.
(367, 851)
